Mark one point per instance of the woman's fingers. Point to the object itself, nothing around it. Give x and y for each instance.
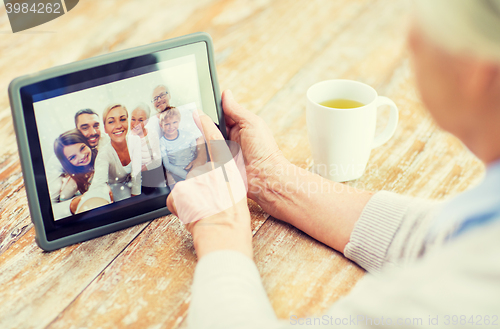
(171, 205)
(207, 126)
(226, 94)
(210, 129)
(234, 112)
(220, 178)
(216, 145)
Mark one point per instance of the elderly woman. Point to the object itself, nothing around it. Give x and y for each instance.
(148, 145)
(115, 175)
(438, 262)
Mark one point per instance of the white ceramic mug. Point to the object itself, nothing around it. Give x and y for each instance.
(341, 139)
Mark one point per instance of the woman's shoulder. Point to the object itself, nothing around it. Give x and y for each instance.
(133, 142)
(104, 149)
(153, 134)
(131, 138)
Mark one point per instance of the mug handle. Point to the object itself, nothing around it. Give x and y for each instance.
(391, 125)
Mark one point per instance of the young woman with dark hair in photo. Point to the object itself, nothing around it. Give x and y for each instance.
(77, 159)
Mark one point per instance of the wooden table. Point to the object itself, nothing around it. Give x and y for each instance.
(268, 52)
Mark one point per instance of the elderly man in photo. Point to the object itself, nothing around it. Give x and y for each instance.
(161, 102)
(161, 98)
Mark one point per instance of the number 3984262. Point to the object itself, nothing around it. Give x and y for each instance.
(35, 8)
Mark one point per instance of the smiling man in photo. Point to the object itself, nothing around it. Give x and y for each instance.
(87, 122)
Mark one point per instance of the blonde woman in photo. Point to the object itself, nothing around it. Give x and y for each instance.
(114, 179)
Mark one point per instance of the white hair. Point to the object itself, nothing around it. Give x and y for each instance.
(462, 26)
(145, 107)
(161, 86)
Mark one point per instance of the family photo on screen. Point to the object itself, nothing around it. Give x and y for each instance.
(109, 154)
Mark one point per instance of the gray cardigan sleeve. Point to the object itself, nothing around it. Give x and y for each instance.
(392, 230)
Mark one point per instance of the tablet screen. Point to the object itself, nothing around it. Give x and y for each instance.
(107, 142)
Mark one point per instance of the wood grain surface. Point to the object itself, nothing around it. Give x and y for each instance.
(268, 52)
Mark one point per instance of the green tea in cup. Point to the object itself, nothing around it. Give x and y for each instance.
(342, 103)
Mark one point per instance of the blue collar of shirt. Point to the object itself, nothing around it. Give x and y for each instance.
(475, 207)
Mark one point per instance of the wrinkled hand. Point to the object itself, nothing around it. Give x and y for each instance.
(260, 151)
(214, 216)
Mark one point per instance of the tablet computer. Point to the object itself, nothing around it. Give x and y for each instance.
(102, 139)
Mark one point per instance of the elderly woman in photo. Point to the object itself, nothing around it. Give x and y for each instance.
(435, 264)
(148, 145)
(114, 167)
(77, 160)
